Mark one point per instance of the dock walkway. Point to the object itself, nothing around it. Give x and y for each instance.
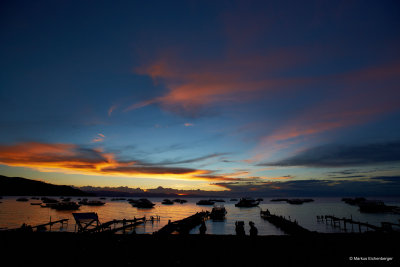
(185, 225)
(343, 223)
(287, 226)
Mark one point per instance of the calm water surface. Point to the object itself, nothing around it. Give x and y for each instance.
(14, 213)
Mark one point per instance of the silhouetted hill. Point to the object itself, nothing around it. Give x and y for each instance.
(17, 186)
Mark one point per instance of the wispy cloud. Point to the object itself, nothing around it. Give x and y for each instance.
(376, 186)
(361, 96)
(233, 78)
(99, 138)
(343, 156)
(111, 109)
(192, 160)
(71, 158)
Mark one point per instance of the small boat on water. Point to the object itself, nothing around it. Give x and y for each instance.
(83, 201)
(217, 200)
(218, 213)
(68, 199)
(47, 205)
(181, 201)
(233, 199)
(375, 206)
(247, 202)
(22, 199)
(295, 201)
(167, 202)
(65, 206)
(205, 202)
(118, 199)
(92, 202)
(35, 204)
(142, 203)
(354, 201)
(279, 199)
(49, 200)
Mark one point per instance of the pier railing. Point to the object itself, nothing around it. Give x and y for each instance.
(343, 223)
(185, 225)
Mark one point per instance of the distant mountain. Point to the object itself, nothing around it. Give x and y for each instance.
(17, 186)
(115, 193)
(160, 191)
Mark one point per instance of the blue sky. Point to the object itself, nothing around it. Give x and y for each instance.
(200, 94)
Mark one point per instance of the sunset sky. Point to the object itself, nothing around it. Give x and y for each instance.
(211, 95)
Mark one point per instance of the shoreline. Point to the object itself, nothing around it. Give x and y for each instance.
(72, 249)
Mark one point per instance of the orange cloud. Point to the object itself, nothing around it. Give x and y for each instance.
(70, 158)
(111, 109)
(99, 138)
(364, 95)
(231, 79)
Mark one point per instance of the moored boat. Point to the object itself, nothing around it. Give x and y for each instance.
(217, 200)
(374, 206)
(22, 199)
(167, 202)
(48, 205)
(295, 201)
(66, 206)
(143, 203)
(92, 202)
(205, 202)
(49, 200)
(181, 201)
(247, 202)
(218, 213)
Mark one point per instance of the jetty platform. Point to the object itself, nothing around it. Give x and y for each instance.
(348, 224)
(183, 226)
(287, 226)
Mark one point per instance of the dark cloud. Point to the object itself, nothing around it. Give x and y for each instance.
(215, 155)
(394, 179)
(350, 176)
(342, 156)
(377, 186)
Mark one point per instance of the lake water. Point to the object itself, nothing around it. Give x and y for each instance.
(14, 213)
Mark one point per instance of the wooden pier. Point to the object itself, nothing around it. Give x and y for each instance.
(287, 226)
(89, 223)
(343, 223)
(183, 226)
(40, 227)
(126, 224)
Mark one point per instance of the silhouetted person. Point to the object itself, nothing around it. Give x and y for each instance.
(240, 228)
(253, 229)
(203, 228)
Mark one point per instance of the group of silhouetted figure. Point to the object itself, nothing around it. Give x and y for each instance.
(239, 228)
